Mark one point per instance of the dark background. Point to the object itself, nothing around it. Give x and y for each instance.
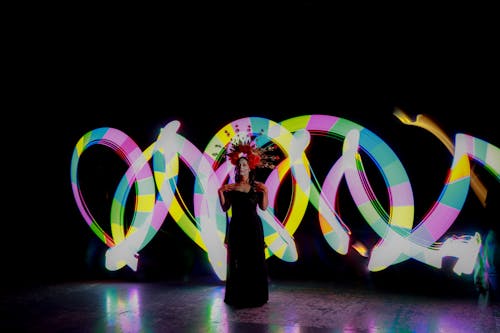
(88, 69)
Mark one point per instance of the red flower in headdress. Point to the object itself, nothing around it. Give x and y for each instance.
(245, 147)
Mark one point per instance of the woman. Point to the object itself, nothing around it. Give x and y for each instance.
(246, 280)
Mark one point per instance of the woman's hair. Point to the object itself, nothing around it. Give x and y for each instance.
(251, 174)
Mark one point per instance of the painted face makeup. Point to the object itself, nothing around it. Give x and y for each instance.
(244, 167)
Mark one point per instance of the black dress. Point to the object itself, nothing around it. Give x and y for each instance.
(246, 280)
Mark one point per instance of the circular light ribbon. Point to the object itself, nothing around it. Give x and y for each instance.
(399, 240)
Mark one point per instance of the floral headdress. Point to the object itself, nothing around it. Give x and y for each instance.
(257, 157)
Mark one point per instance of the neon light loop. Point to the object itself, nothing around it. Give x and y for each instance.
(399, 240)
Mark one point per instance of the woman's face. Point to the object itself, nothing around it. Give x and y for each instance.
(244, 167)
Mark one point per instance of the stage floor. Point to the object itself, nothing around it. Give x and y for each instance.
(294, 306)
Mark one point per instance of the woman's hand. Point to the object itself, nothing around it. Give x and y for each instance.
(260, 187)
(226, 188)
(225, 203)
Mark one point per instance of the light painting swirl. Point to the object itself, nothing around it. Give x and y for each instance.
(154, 175)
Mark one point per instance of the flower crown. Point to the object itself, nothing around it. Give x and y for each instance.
(257, 157)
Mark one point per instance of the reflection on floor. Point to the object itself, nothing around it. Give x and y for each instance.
(294, 306)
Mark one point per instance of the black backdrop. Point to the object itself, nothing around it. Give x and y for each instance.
(89, 74)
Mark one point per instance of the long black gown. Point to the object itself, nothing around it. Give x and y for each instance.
(246, 280)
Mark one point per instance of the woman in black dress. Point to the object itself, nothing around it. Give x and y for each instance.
(246, 280)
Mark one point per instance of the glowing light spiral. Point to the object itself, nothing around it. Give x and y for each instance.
(154, 173)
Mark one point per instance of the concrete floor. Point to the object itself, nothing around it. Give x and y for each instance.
(294, 306)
